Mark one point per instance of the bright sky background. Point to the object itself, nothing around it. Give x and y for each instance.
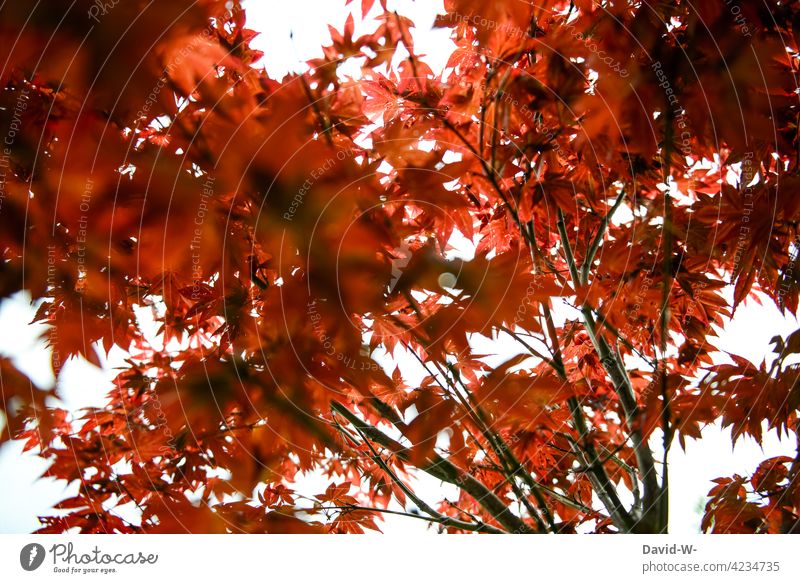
(292, 33)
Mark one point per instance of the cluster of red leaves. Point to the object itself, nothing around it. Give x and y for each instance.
(281, 231)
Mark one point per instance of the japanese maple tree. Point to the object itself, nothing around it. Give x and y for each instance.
(600, 183)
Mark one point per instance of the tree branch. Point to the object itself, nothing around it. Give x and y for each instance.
(441, 519)
(622, 385)
(421, 504)
(598, 239)
(444, 470)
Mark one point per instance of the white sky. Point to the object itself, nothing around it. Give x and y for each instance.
(292, 33)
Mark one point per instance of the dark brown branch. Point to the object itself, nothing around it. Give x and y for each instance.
(444, 470)
(421, 504)
(619, 377)
(598, 239)
(441, 519)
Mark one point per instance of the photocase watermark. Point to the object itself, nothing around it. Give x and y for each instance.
(641, 294)
(160, 423)
(530, 292)
(67, 561)
(101, 8)
(696, 287)
(32, 556)
(602, 55)
(152, 412)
